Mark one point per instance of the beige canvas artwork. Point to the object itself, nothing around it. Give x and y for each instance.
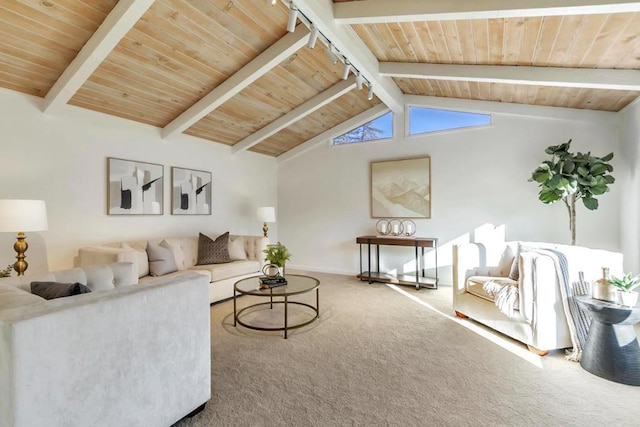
(401, 188)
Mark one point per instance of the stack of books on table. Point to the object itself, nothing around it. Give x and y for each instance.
(272, 282)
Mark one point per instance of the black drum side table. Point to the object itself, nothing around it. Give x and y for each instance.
(612, 350)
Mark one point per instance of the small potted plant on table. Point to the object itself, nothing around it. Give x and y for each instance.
(278, 255)
(626, 284)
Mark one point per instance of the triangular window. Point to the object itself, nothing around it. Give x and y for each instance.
(378, 128)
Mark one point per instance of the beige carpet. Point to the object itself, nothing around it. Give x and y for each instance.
(379, 356)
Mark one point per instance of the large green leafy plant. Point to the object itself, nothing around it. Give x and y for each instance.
(571, 176)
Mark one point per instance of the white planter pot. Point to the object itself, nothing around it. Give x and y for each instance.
(628, 299)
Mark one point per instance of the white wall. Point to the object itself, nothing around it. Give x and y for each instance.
(629, 180)
(62, 159)
(478, 177)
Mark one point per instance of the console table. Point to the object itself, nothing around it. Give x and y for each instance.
(419, 280)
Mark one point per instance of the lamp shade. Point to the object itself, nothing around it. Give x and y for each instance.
(23, 215)
(266, 214)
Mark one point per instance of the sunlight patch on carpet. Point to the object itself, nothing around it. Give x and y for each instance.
(524, 354)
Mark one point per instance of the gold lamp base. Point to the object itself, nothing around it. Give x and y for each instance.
(265, 229)
(20, 246)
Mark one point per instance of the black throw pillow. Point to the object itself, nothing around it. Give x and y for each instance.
(51, 290)
(213, 251)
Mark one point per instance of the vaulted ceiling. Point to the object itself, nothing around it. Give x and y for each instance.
(228, 71)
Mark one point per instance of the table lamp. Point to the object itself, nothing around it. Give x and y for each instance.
(266, 214)
(20, 216)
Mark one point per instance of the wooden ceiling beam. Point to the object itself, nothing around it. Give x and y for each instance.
(258, 67)
(347, 41)
(116, 25)
(296, 114)
(536, 76)
(384, 11)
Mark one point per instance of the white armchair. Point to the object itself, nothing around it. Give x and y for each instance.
(539, 320)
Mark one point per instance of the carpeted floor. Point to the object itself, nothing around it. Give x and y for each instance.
(386, 356)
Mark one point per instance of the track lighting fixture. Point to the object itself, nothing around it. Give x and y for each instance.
(330, 54)
(293, 16)
(359, 81)
(330, 51)
(346, 69)
(313, 37)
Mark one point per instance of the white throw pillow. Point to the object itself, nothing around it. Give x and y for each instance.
(236, 249)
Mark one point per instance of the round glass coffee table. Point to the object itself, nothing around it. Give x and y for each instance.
(296, 285)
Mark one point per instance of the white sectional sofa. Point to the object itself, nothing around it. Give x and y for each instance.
(248, 260)
(125, 354)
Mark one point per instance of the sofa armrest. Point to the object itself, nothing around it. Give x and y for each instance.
(466, 259)
(145, 347)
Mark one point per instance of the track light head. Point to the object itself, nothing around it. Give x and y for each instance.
(346, 69)
(370, 92)
(359, 81)
(330, 54)
(293, 16)
(313, 37)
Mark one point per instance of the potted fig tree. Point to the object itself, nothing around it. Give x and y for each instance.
(571, 177)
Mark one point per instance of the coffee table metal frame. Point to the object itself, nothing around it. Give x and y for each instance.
(279, 291)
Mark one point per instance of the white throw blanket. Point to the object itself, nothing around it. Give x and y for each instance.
(506, 296)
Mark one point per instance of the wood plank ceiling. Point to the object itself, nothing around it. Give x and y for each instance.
(181, 50)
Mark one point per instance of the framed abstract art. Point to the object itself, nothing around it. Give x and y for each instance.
(134, 188)
(191, 192)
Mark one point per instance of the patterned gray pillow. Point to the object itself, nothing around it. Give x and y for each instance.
(213, 251)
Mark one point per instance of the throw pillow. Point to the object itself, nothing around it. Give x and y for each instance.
(51, 290)
(236, 249)
(161, 259)
(213, 251)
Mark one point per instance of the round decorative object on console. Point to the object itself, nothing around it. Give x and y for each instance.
(396, 227)
(408, 227)
(382, 227)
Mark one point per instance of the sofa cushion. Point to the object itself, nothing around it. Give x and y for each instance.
(161, 259)
(232, 269)
(52, 290)
(213, 251)
(12, 297)
(475, 285)
(236, 249)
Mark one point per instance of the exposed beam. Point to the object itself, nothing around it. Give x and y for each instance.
(347, 41)
(296, 114)
(343, 127)
(380, 11)
(116, 25)
(537, 76)
(258, 67)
